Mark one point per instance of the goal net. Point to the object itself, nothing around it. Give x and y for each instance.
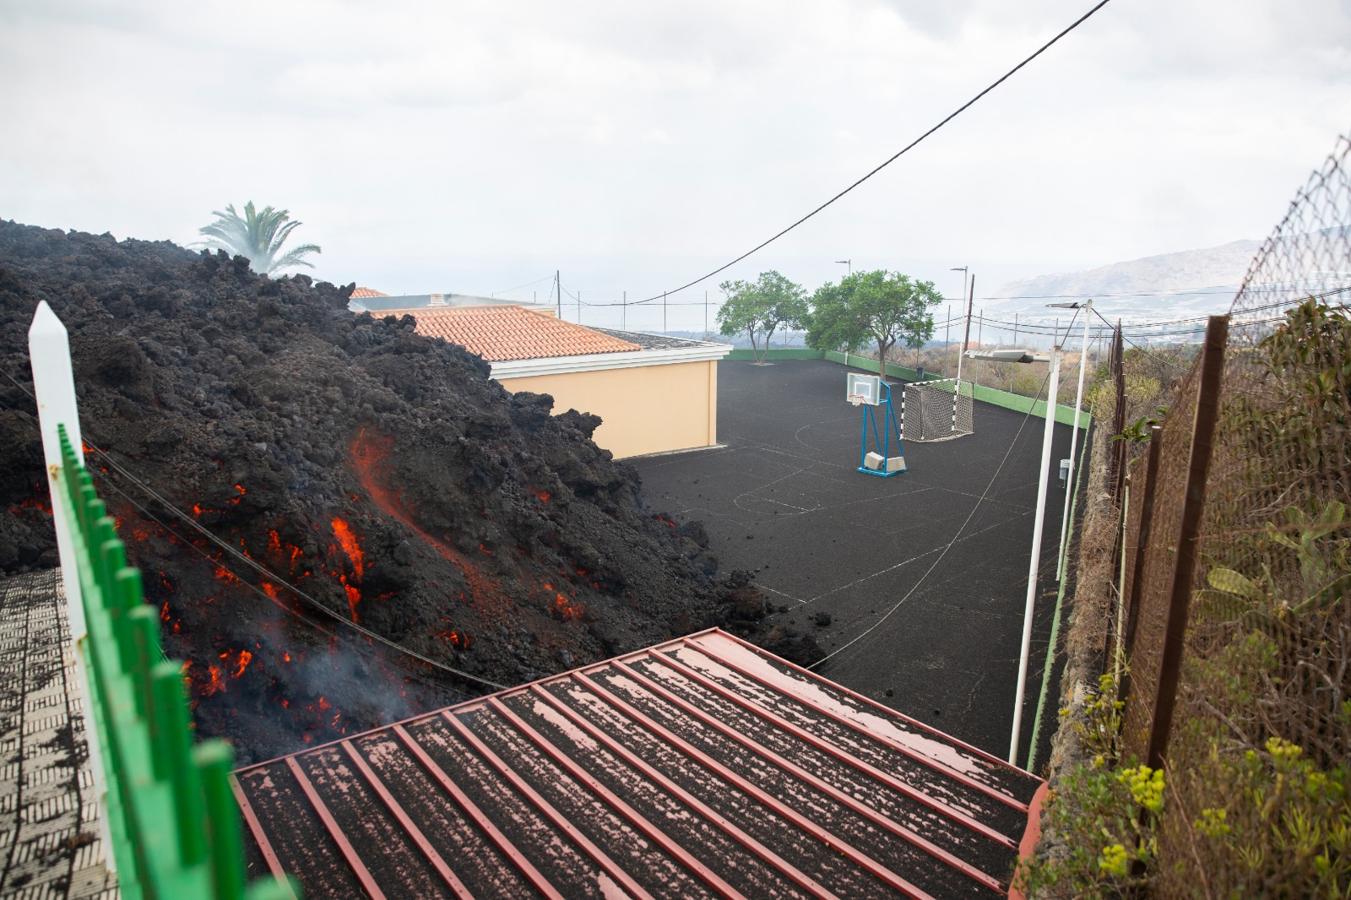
(936, 410)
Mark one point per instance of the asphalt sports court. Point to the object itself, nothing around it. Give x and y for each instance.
(783, 499)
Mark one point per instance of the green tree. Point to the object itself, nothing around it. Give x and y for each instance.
(761, 307)
(881, 307)
(258, 237)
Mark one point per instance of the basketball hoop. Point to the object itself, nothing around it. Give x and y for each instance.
(860, 389)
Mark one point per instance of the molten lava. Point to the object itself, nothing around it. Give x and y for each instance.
(347, 539)
(567, 610)
(368, 452)
(245, 657)
(215, 683)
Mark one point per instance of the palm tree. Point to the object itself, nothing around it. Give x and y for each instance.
(258, 237)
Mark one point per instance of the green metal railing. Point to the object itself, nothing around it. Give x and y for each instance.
(172, 818)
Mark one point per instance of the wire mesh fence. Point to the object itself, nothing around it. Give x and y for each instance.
(1233, 563)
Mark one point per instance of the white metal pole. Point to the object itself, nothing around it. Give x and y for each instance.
(1034, 561)
(54, 392)
(968, 332)
(1062, 559)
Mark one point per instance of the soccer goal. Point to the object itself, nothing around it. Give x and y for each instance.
(937, 410)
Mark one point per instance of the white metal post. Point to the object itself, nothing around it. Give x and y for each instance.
(54, 391)
(1035, 559)
(1063, 558)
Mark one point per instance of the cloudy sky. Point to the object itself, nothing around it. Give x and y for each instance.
(476, 146)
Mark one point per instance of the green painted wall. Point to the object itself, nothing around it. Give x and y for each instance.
(1016, 402)
(748, 355)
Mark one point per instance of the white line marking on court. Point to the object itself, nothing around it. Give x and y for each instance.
(765, 587)
(894, 567)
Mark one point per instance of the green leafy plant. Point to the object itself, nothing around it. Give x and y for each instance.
(761, 307)
(1103, 821)
(257, 236)
(885, 308)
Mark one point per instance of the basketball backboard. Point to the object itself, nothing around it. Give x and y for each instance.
(861, 388)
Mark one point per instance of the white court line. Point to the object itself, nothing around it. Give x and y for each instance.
(765, 587)
(907, 562)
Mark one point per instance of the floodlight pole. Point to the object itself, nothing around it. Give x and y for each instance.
(966, 340)
(1035, 559)
(1062, 561)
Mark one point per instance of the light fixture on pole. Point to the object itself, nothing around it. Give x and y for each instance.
(1034, 559)
(1038, 522)
(963, 270)
(1087, 309)
(846, 262)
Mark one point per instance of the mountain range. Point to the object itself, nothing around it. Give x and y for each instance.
(1168, 286)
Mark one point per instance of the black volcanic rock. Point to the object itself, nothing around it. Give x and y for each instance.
(488, 534)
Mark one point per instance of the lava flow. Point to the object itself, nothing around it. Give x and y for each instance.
(368, 453)
(347, 540)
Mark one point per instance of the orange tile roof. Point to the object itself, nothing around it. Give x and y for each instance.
(367, 292)
(501, 333)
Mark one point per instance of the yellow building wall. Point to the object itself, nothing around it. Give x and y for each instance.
(647, 409)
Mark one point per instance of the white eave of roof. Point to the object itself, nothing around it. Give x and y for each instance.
(597, 362)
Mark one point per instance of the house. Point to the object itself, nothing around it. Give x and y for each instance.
(654, 394)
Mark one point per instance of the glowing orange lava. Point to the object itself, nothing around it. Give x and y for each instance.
(567, 610)
(245, 657)
(542, 496)
(368, 452)
(215, 683)
(347, 539)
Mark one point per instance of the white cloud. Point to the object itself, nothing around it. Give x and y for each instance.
(474, 145)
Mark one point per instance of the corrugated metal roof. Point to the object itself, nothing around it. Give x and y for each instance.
(699, 767)
(506, 333)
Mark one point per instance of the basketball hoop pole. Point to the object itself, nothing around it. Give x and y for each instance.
(1033, 563)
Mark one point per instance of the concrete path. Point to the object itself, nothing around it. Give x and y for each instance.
(49, 830)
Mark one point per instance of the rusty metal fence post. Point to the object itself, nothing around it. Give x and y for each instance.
(1131, 587)
(1118, 471)
(1184, 564)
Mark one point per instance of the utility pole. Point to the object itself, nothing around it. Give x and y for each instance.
(624, 313)
(947, 332)
(663, 312)
(980, 329)
(558, 286)
(579, 307)
(1015, 329)
(1038, 523)
(705, 315)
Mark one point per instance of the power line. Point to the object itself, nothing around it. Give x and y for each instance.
(260, 568)
(895, 156)
(519, 286)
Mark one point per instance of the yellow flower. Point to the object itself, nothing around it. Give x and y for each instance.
(1114, 861)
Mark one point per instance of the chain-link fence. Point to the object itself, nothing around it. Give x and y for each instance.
(1232, 564)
